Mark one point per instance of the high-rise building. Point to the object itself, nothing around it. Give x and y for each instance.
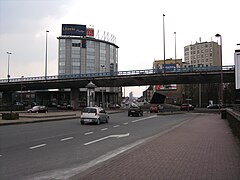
(83, 52)
(202, 54)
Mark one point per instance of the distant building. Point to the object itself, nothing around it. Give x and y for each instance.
(202, 54)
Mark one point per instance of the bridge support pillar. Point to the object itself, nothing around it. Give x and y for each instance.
(7, 99)
(74, 98)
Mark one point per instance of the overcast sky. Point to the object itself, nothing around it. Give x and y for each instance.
(137, 25)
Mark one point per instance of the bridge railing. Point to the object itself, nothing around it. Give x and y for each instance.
(121, 73)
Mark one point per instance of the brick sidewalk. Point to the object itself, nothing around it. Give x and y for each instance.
(203, 148)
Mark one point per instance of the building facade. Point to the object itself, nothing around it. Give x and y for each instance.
(202, 54)
(80, 51)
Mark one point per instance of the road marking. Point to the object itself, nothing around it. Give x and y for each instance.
(88, 133)
(116, 126)
(126, 123)
(142, 119)
(65, 139)
(104, 129)
(37, 146)
(0, 155)
(110, 136)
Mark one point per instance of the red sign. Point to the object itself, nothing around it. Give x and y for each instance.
(90, 32)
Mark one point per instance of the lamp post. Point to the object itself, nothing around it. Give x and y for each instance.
(221, 83)
(175, 49)
(164, 58)
(103, 104)
(46, 57)
(8, 75)
(21, 88)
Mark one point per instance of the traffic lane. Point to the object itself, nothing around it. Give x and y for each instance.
(88, 152)
(56, 153)
(13, 135)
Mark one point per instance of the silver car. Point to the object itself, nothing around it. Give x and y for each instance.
(94, 115)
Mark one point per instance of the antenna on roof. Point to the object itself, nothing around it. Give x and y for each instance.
(200, 39)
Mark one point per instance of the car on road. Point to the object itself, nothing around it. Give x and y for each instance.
(135, 110)
(38, 109)
(96, 115)
(187, 107)
(155, 108)
(214, 106)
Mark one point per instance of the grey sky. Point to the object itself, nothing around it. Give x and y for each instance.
(137, 26)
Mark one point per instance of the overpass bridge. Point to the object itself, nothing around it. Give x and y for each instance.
(190, 75)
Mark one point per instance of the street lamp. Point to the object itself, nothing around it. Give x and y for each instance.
(21, 89)
(8, 75)
(175, 49)
(220, 56)
(103, 104)
(46, 57)
(164, 58)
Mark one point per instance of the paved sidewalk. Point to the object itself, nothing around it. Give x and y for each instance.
(203, 148)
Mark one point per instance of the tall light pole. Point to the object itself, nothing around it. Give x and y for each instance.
(103, 104)
(221, 83)
(21, 89)
(46, 57)
(164, 58)
(175, 49)
(8, 75)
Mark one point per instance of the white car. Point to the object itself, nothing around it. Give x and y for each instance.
(95, 115)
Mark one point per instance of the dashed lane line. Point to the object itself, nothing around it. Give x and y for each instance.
(37, 146)
(88, 133)
(116, 126)
(142, 119)
(104, 129)
(126, 123)
(68, 138)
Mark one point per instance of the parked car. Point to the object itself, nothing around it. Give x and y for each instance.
(135, 110)
(95, 115)
(64, 106)
(214, 106)
(38, 109)
(155, 108)
(186, 107)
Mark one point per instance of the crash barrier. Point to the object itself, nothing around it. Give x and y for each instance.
(233, 118)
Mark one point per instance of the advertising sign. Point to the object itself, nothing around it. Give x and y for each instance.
(90, 32)
(169, 67)
(73, 30)
(165, 87)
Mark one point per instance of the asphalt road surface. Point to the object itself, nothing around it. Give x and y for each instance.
(61, 149)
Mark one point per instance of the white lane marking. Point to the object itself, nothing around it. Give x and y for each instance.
(65, 139)
(142, 119)
(116, 126)
(88, 133)
(126, 123)
(37, 146)
(0, 155)
(110, 136)
(104, 129)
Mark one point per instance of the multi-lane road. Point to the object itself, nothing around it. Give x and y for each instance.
(61, 149)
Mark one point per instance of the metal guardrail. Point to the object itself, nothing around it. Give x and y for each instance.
(121, 73)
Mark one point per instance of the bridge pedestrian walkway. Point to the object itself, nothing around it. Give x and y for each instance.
(203, 148)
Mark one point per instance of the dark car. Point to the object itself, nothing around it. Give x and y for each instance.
(38, 109)
(135, 111)
(214, 106)
(186, 107)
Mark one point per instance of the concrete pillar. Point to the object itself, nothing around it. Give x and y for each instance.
(74, 98)
(91, 94)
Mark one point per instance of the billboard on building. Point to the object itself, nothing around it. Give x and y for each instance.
(73, 30)
(237, 68)
(90, 32)
(166, 87)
